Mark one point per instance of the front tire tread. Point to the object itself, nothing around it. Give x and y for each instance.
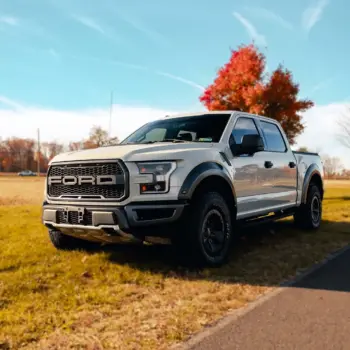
(189, 241)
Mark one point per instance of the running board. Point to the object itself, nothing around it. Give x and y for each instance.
(266, 218)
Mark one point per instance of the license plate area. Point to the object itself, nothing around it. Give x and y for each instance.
(72, 215)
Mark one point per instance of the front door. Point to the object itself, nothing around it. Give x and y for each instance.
(251, 177)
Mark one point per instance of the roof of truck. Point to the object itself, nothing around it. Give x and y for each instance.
(193, 114)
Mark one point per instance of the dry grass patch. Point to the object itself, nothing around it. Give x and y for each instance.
(21, 191)
(135, 297)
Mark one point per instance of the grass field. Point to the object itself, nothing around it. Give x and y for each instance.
(135, 297)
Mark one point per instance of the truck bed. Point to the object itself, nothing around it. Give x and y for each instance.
(306, 153)
(306, 159)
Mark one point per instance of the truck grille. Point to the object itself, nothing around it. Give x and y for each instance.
(84, 191)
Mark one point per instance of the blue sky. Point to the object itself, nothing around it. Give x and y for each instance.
(62, 58)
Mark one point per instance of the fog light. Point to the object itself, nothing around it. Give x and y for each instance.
(156, 187)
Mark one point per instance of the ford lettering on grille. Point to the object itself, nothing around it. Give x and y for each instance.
(99, 181)
(80, 180)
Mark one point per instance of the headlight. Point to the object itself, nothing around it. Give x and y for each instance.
(159, 172)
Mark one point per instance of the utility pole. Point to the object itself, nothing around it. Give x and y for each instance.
(110, 115)
(38, 158)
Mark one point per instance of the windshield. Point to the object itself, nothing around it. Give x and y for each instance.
(201, 128)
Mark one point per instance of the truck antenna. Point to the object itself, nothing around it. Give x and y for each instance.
(110, 115)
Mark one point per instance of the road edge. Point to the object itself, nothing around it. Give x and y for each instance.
(237, 313)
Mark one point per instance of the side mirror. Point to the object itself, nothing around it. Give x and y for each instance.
(250, 144)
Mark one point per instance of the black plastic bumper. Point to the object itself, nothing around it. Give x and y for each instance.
(132, 217)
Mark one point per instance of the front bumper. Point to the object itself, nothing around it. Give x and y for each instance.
(135, 218)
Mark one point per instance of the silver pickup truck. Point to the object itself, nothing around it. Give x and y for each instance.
(189, 178)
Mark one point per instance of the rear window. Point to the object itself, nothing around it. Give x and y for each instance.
(273, 136)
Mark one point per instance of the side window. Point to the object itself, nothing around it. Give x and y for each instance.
(274, 139)
(243, 126)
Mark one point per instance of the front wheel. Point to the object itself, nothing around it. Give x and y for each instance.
(309, 215)
(64, 242)
(207, 231)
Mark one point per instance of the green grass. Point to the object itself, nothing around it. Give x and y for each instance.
(135, 297)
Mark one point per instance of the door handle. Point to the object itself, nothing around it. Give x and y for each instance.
(268, 164)
(292, 164)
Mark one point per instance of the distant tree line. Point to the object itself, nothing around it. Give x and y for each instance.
(332, 166)
(344, 124)
(18, 154)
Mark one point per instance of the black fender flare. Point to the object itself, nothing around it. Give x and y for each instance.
(201, 172)
(311, 171)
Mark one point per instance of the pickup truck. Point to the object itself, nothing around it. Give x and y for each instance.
(191, 179)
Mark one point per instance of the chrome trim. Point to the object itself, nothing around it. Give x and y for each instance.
(79, 197)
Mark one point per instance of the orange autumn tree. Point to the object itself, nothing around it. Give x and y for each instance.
(241, 85)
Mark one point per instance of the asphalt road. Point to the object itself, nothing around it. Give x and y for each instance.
(313, 314)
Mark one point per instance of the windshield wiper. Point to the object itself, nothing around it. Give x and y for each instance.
(165, 140)
(140, 143)
(173, 140)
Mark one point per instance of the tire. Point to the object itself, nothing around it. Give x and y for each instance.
(64, 242)
(309, 215)
(205, 235)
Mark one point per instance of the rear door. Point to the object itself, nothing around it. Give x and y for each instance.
(282, 169)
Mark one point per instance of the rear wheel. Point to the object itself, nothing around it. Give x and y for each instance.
(206, 233)
(65, 242)
(309, 215)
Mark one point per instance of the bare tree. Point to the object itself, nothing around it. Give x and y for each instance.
(51, 149)
(302, 149)
(332, 165)
(344, 124)
(75, 146)
(98, 137)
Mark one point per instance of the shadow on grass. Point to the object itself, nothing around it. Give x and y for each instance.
(264, 255)
(341, 198)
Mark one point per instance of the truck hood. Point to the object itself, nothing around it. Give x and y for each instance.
(137, 152)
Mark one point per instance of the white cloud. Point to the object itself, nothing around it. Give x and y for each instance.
(320, 86)
(182, 80)
(90, 23)
(313, 14)
(52, 52)
(148, 32)
(10, 103)
(108, 61)
(269, 15)
(136, 23)
(9, 20)
(139, 67)
(322, 130)
(251, 30)
(64, 125)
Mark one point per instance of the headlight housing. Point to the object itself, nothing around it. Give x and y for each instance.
(159, 176)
